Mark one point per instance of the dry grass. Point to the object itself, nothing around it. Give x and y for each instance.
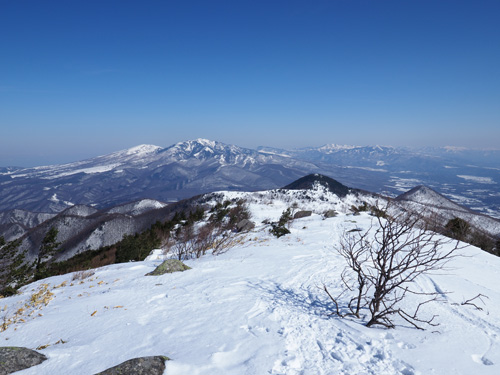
(30, 309)
(82, 275)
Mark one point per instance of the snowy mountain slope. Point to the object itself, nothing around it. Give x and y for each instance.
(80, 210)
(80, 228)
(426, 201)
(259, 309)
(176, 172)
(428, 197)
(198, 166)
(23, 217)
(468, 176)
(100, 164)
(137, 208)
(14, 223)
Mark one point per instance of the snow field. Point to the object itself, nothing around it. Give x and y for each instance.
(259, 309)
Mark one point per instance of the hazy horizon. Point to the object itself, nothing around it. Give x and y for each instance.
(91, 156)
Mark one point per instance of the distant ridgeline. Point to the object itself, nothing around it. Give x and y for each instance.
(199, 166)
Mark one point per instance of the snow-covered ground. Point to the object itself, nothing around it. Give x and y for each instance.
(257, 309)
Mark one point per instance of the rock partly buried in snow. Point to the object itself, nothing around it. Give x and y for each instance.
(169, 266)
(330, 213)
(245, 225)
(139, 366)
(300, 214)
(14, 359)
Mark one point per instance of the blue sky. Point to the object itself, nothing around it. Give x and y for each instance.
(84, 78)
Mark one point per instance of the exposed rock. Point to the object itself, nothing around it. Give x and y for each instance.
(169, 266)
(245, 225)
(330, 213)
(154, 365)
(14, 359)
(300, 214)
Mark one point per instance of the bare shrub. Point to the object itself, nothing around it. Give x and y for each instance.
(382, 265)
(190, 242)
(82, 275)
(183, 242)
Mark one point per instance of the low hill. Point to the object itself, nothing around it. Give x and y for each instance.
(312, 180)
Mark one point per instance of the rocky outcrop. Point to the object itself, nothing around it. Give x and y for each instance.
(330, 213)
(13, 358)
(169, 266)
(245, 225)
(300, 214)
(139, 366)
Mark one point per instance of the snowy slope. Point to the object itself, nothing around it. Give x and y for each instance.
(137, 208)
(167, 174)
(258, 309)
(424, 200)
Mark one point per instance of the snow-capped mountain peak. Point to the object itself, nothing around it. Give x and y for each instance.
(203, 149)
(202, 165)
(142, 150)
(335, 147)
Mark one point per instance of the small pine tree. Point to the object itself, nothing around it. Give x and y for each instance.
(48, 247)
(457, 228)
(285, 218)
(279, 229)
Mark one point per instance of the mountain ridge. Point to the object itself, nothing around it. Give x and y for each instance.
(83, 229)
(199, 166)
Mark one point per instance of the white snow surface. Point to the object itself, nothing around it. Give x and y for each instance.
(142, 150)
(259, 309)
(138, 207)
(479, 180)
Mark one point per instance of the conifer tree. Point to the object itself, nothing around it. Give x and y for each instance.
(48, 247)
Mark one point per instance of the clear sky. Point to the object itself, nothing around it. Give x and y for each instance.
(84, 78)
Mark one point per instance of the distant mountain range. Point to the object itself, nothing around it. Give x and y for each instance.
(193, 167)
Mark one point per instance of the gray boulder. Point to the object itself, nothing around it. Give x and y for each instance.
(300, 214)
(245, 225)
(330, 213)
(169, 266)
(139, 366)
(13, 358)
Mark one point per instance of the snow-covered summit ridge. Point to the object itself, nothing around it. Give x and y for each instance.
(424, 195)
(142, 149)
(278, 319)
(203, 150)
(317, 199)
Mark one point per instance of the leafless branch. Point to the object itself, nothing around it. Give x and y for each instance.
(382, 264)
(478, 297)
